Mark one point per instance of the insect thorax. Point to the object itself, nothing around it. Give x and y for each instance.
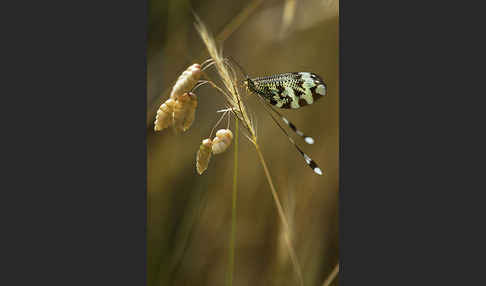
(289, 90)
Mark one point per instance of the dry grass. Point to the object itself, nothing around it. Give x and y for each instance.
(331, 276)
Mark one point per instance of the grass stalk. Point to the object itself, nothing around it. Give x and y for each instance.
(233, 210)
(293, 256)
(331, 276)
(238, 20)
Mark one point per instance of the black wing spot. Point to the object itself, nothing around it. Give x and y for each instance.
(315, 95)
(298, 93)
(267, 90)
(300, 84)
(302, 102)
(312, 164)
(292, 126)
(297, 75)
(286, 104)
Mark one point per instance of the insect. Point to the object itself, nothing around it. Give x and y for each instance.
(290, 90)
(287, 91)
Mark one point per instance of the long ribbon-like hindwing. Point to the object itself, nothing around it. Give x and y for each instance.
(311, 163)
(307, 139)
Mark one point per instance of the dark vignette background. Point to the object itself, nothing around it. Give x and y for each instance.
(73, 190)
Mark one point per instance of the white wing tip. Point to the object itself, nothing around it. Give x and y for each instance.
(318, 171)
(309, 140)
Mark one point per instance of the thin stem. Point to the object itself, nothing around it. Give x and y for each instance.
(293, 256)
(238, 20)
(199, 84)
(233, 211)
(208, 61)
(331, 276)
(217, 123)
(229, 120)
(226, 97)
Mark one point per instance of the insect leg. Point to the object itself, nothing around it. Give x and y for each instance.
(219, 121)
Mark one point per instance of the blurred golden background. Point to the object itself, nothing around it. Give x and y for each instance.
(188, 215)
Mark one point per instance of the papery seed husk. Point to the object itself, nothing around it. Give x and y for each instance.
(191, 113)
(222, 141)
(203, 156)
(186, 81)
(184, 111)
(163, 119)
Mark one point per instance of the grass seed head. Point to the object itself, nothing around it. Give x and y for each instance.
(184, 111)
(163, 119)
(186, 81)
(222, 141)
(180, 109)
(203, 156)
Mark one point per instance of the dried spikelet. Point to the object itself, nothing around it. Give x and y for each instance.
(180, 109)
(186, 81)
(184, 111)
(203, 156)
(164, 115)
(191, 114)
(222, 141)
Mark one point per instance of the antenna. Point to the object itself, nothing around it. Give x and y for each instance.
(242, 70)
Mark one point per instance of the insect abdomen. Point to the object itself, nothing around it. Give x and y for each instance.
(289, 90)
